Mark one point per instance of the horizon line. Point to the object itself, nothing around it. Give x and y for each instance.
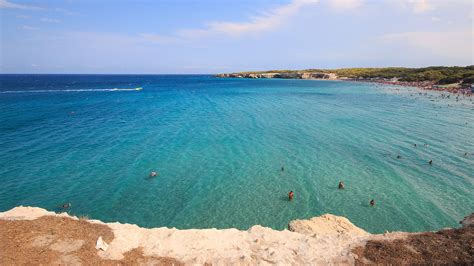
(267, 70)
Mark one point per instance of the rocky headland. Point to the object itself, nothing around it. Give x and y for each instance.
(451, 79)
(281, 75)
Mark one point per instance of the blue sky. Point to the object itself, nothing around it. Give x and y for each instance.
(211, 36)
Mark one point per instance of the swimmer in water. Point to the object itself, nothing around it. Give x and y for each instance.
(341, 185)
(399, 157)
(291, 195)
(430, 162)
(153, 174)
(282, 168)
(372, 202)
(65, 206)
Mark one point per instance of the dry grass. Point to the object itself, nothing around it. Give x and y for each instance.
(446, 247)
(58, 240)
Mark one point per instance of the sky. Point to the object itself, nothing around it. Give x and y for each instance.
(219, 36)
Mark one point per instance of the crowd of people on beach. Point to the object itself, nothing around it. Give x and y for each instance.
(463, 99)
(463, 89)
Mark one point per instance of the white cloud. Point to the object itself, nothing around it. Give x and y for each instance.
(23, 16)
(451, 45)
(50, 20)
(421, 6)
(8, 4)
(64, 11)
(416, 6)
(265, 21)
(425, 6)
(26, 27)
(345, 4)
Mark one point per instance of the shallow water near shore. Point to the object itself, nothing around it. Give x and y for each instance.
(218, 146)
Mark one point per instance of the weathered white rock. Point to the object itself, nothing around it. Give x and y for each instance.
(326, 224)
(100, 244)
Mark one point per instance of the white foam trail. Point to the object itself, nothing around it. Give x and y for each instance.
(72, 90)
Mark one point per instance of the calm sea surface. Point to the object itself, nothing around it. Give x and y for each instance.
(218, 146)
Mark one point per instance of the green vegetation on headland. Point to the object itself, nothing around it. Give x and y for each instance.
(437, 74)
(434, 74)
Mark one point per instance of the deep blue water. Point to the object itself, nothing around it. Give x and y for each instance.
(219, 144)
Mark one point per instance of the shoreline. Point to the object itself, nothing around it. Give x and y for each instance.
(429, 86)
(34, 235)
(455, 88)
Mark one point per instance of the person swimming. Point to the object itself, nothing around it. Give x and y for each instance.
(291, 195)
(282, 168)
(430, 162)
(153, 174)
(414, 144)
(399, 157)
(65, 206)
(341, 185)
(372, 202)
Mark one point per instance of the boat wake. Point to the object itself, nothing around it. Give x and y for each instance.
(73, 90)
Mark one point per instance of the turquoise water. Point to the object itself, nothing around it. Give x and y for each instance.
(219, 144)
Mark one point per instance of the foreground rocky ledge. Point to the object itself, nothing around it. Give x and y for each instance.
(31, 235)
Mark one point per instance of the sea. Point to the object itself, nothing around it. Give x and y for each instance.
(219, 146)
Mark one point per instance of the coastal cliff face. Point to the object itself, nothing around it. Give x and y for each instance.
(36, 236)
(281, 75)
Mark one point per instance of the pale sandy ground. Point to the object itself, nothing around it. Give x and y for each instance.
(323, 240)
